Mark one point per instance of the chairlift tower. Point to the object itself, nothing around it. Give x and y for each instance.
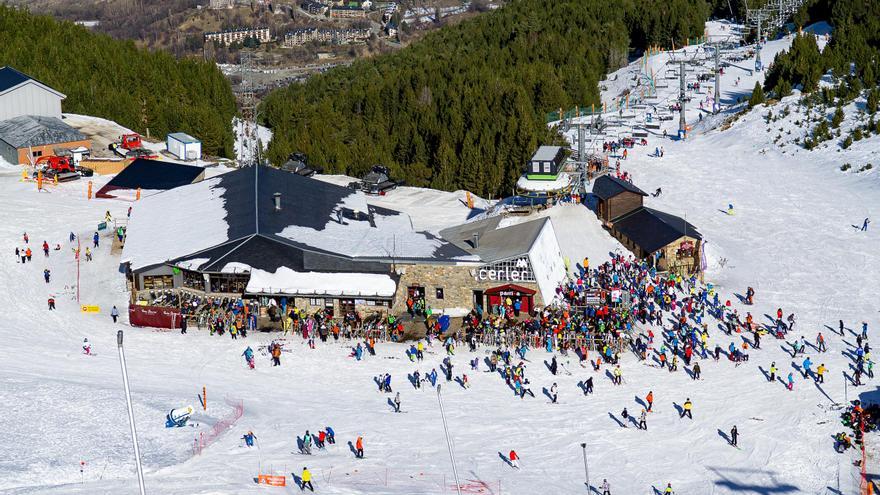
(247, 101)
(682, 122)
(772, 16)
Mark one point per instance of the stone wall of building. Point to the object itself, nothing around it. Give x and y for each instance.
(457, 281)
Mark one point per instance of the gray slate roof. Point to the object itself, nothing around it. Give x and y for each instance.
(32, 130)
(608, 186)
(495, 243)
(652, 229)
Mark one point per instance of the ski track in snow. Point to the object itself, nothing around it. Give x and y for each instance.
(790, 238)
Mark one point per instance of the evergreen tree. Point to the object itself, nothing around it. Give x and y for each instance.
(757, 96)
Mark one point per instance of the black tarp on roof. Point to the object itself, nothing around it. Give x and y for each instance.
(651, 229)
(608, 186)
(154, 175)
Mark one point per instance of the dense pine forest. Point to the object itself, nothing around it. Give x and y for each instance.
(115, 80)
(466, 106)
(852, 55)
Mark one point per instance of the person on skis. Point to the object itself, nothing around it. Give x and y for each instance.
(553, 394)
(249, 438)
(359, 448)
(820, 342)
(306, 480)
(643, 423)
(397, 402)
(650, 399)
(606, 488)
(806, 364)
(625, 415)
(668, 490)
(772, 372)
(114, 313)
(734, 435)
(87, 347)
(513, 458)
(686, 410)
(820, 373)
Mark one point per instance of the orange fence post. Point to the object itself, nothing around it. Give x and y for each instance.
(39, 180)
(205, 398)
(138, 197)
(89, 194)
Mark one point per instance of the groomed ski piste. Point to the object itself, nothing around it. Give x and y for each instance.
(793, 237)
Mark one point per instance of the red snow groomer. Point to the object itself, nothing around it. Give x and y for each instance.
(60, 167)
(131, 146)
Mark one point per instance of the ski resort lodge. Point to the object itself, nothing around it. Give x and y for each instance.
(667, 241)
(263, 233)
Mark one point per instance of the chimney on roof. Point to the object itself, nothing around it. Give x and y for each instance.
(475, 240)
(277, 198)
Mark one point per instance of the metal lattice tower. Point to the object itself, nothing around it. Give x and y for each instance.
(247, 102)
(773, 15)
(682, 96)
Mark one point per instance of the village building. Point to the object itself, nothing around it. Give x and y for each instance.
(668, 242)
(302, 36)
(231, 36)
(283, 239)
(347, 11)
(543, 179)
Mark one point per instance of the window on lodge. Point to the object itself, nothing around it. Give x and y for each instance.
(536, 167)
(158, 282)
(547, 166)
(229, 283)
(193, 280)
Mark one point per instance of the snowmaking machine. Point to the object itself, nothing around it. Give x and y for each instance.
(377, 181)
(178, 417)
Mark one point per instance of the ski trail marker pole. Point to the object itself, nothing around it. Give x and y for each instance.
(448, 442)
(137, 453)
(586, 468)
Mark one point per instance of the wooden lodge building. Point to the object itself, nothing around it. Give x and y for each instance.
(667, 241)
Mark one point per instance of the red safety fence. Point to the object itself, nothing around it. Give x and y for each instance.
(372, 478)
(205, 439)
(153, 316)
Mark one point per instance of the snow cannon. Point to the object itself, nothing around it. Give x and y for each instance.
(177, 418)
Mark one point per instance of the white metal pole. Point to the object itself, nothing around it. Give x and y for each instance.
(448, 442)
(137, 453)
(586, 469)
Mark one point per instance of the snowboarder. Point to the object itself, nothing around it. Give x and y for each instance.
(588, 386)
(87, 347)
(696, 373)
(514, 459)
(734, 434)
(397, 402)
(553, 394)
(249, 357)
(772, 372)
(553, 365)
(114, 313)
(51, 303)
(606, 488)
(643, 423)
(790, 384)
(686, 410)
(864, 225)
(306, 478)
(657, 193)
(249, 438)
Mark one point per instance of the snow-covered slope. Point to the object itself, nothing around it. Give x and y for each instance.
(791, 238)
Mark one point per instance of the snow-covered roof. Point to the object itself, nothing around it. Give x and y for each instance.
(561, 181)
(290, 282)
(319, 226)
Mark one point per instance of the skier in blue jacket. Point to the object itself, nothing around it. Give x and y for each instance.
(807, 363)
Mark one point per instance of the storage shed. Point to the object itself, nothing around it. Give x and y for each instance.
(27, 138)
(184, 146)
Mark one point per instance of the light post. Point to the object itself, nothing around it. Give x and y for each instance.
(137, 453)
(586, 468)
(448, 443)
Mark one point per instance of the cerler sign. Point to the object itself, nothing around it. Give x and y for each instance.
(513, 270)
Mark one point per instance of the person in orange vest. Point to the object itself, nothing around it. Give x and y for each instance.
(650, 399)
(359, 448)
(28, 253)
(276, 354)
(514, 459)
